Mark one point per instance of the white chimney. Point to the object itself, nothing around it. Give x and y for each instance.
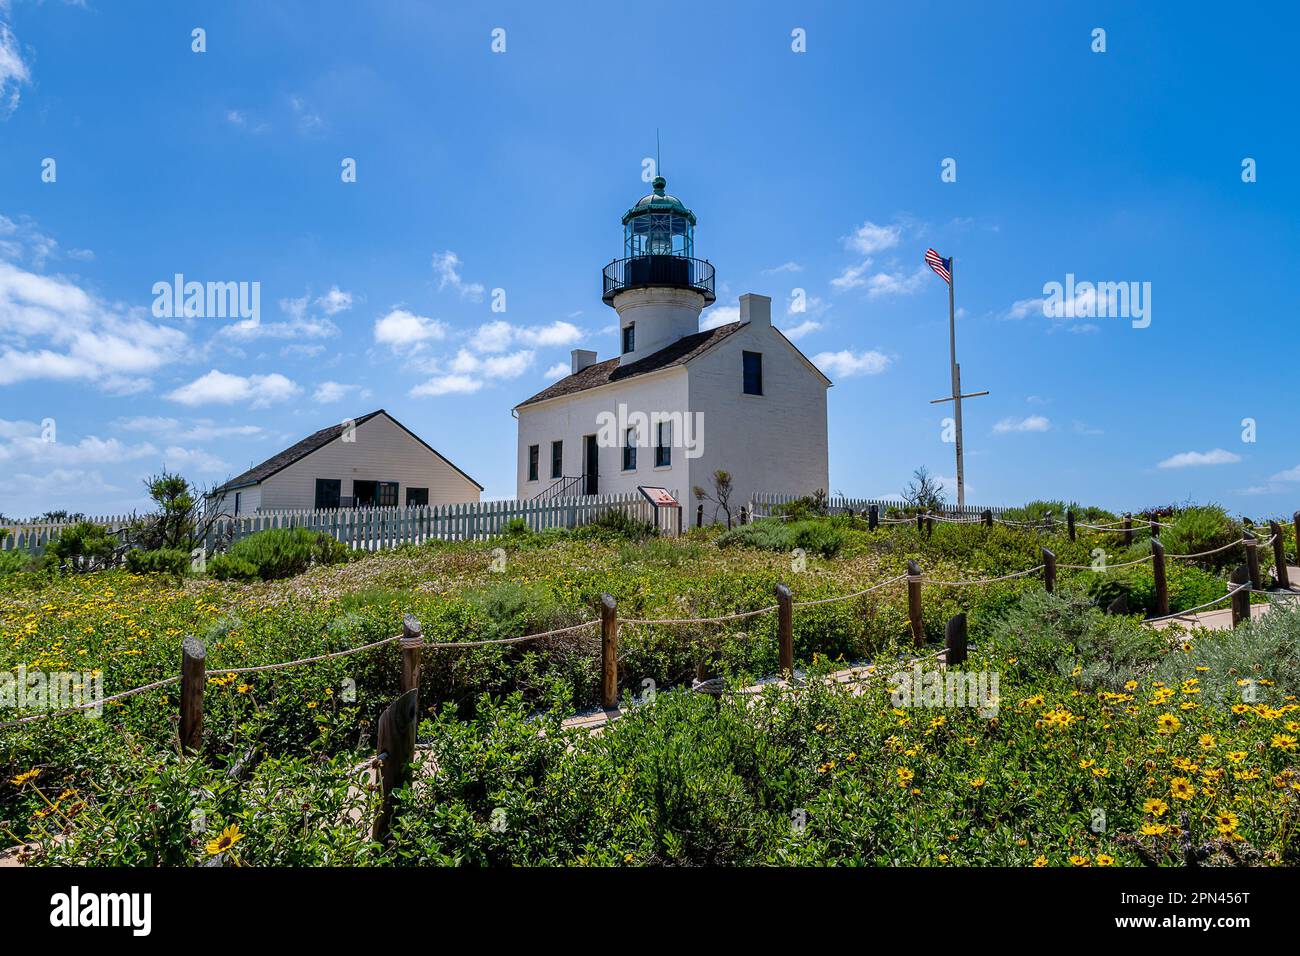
(580, 359)
(756, 308)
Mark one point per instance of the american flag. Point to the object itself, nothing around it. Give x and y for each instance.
(941, 266)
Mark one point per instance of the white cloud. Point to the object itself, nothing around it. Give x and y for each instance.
(897, 283)
(1083, 428)
(194, 459)
(784, 267)
(719, 315)
(446, 265)
(846, 364)
(334, 301)
(1291, 474)
(13, 71)
(448, 385)
(494, 366)
(90, 450)
(1189, 459)
(327, 392)
(222, 388)
(54, 329)
(500, 335)
(806, 327)
(870, 238)
(557, 371)
(402, 328)
(197, 429)
(852, 277)
(1032, 423)
(298, 326)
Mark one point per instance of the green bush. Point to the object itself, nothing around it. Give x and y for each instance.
(279, 553)
(172, 561)
(821, 537)
(1203, 528)
(615, 523)
(223, 567)
(85, 546)
(11, 562)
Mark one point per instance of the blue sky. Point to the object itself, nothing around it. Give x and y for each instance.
(479, 170)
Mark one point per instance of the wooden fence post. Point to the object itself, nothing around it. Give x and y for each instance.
(1155, 528)
(1252, 561)
(744, 515)
(914, 603)
(873, 518)
(608, 652)
(954, 638)
(1049, 521)
(1158, 572)
(988, 517)
(1069, 522)
(1279, 555)
(785, 628)
(699, 516)
(1128, 529)
(1049, 571)
(1241, 599)
(194, 678)
(929, 524)
(920, 522)
(395, 745)
(412, 645)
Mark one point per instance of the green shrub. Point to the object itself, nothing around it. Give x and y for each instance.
(615, 523)
(11, 562)
(821, 537)
(1036, 512)
(1203, 528)
(224, 567)
(85, 546)
(282, 553)
(1266, 649)
(172, 561)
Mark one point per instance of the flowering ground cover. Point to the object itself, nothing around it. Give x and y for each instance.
(1109, 743)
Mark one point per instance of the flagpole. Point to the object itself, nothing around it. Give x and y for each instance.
(956, 376)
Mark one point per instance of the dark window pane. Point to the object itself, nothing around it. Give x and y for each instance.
(753, 373)
(327, 492)
(532, 462)
(417, 497)
(557, 459)
(629, 450)
(629, 338)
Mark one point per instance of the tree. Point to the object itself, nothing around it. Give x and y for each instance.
(721, 496)
(924, 492)
(179, 521)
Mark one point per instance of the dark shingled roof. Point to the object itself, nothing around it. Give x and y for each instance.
(603, 373)
(314, 442)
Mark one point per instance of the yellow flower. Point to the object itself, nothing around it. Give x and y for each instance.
(1181, 788)
(1206, 741)
(1283, 742)
(1101, 771)
(1167, 723)
(1236, 756)
(1154, 806)
(1085, 764)
(1077, 860)
(1154, 829)
(977, 782)
(905, 776)
(1225, 821)
(22, 778)
(228, 838)
(1104, 859)
(1131, 685)
(1040, 861)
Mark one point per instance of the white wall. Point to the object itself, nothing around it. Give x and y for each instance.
(383, 451)
(573, 416)
(250, 499)
(775, 442)
(662, 316)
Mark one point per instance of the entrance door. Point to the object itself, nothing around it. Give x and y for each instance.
(590, 462)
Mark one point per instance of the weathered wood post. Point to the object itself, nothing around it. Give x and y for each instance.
(744, 515)
(699, 516)
(608, 652)
(873, 518)
(1155, 528)
(395, 746)
(194, 678)
(920, 521)
(1279, 555)
(1158, 572)
(1069, 522)
(914, 602)
(785, 628)
(929, 524)
(1049, 521)
(412, 644)
(1241, 599)
(954, 639)
(1252, 560)
(1128, 529)
(987, 515)
(1049, 571)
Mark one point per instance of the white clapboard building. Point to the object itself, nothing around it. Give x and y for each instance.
(371, 461)
(678, 403)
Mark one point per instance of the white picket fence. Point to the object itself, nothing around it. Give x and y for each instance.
(373, 529)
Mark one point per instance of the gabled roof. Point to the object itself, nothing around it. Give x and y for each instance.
(314, 442)
(604, 373)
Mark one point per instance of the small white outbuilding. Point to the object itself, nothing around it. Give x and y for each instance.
(371, 461)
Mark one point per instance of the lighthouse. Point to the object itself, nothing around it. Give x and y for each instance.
(676, 403)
